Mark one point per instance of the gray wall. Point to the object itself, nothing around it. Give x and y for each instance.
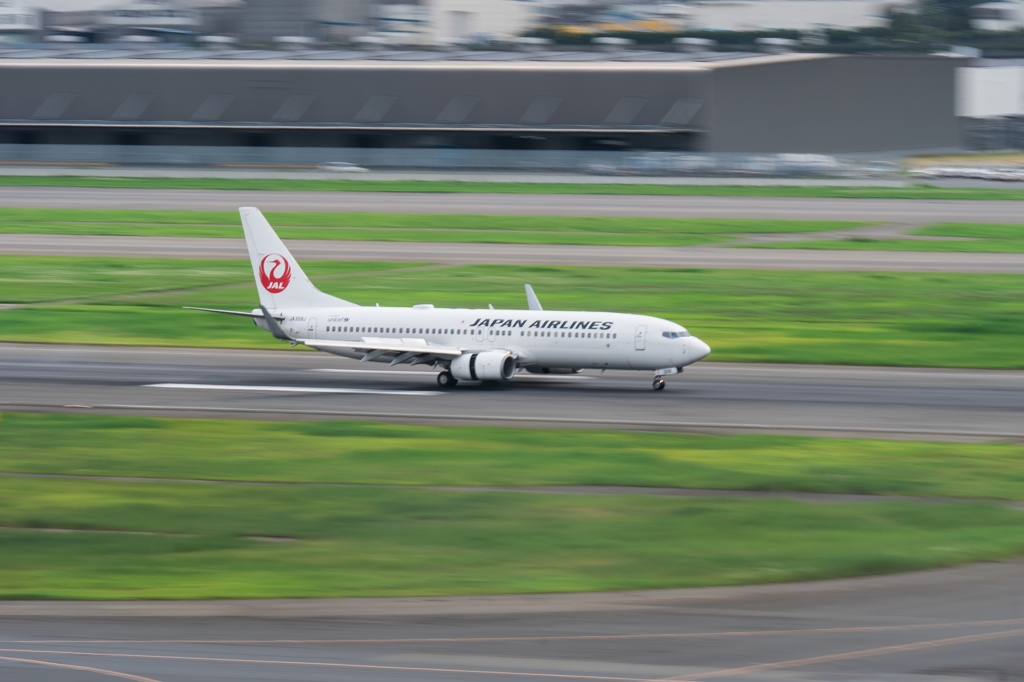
(835, 105)
(826, 104)
(339, 93)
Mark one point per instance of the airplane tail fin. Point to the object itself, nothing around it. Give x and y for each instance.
(280, 281)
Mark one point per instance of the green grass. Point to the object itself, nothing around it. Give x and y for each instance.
(381, 542)
(342, 185)
(25, 219)
(36, 279)
(358, 453)
(866, 244)
(380, 234)
(406, 227)
(195, 541)
(869, 318)
(976, 230)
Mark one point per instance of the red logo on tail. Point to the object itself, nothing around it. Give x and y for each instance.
(275, 273)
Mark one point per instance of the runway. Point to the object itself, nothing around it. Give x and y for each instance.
(921, 404)
(765, 208)
(959, 624)
(520, 254)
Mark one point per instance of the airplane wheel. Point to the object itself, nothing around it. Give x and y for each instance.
(446, 380)
(659, 384)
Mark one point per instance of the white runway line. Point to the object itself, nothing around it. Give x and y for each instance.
(293, 389)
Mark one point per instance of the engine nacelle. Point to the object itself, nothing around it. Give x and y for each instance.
(492, 365)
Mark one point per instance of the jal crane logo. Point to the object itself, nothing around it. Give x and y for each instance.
(275, 273)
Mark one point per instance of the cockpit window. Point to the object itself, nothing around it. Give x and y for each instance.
(675, 335)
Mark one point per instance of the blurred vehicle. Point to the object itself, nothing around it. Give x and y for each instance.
(342, 167)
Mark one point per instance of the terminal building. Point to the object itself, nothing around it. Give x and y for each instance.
(313, 106)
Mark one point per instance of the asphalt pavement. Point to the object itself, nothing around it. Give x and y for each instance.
(954, 625)
(764, 208)
(708, 397)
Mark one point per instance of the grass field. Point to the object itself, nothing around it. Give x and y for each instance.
(913, 319)
(975, 230)
(35, 279)
(170, 540)
(979, 238)
(341, 185)
(868, 244)
(33, 219)
(358, 453)
(406, 227)
(379, 542)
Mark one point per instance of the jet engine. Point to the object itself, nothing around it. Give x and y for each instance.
(492, 365)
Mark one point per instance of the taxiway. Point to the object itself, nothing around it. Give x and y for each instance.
(957, 624)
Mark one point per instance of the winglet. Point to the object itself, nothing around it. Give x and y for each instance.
(275, 328)
(531, 298)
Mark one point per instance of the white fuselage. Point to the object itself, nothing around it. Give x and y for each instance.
(538, 338)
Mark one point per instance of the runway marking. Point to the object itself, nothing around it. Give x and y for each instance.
(325, 665)
(98, 671)
(425, 640)
(294, 389)
(829, 658)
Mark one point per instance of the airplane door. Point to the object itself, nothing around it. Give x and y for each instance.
(311, 332)
(640, 339)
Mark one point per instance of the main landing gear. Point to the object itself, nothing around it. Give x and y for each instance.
(659, 384)
(446, 379)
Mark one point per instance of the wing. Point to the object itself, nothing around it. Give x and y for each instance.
(414, 351)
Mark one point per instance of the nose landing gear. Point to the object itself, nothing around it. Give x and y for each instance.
(659, 384)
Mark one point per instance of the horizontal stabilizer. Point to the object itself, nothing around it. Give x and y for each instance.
(232, 312)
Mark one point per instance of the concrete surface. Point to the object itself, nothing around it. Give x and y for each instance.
(709, 397)
(948, 625)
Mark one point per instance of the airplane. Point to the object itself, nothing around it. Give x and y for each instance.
(465, 344)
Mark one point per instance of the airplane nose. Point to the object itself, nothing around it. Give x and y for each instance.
(701, 349)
